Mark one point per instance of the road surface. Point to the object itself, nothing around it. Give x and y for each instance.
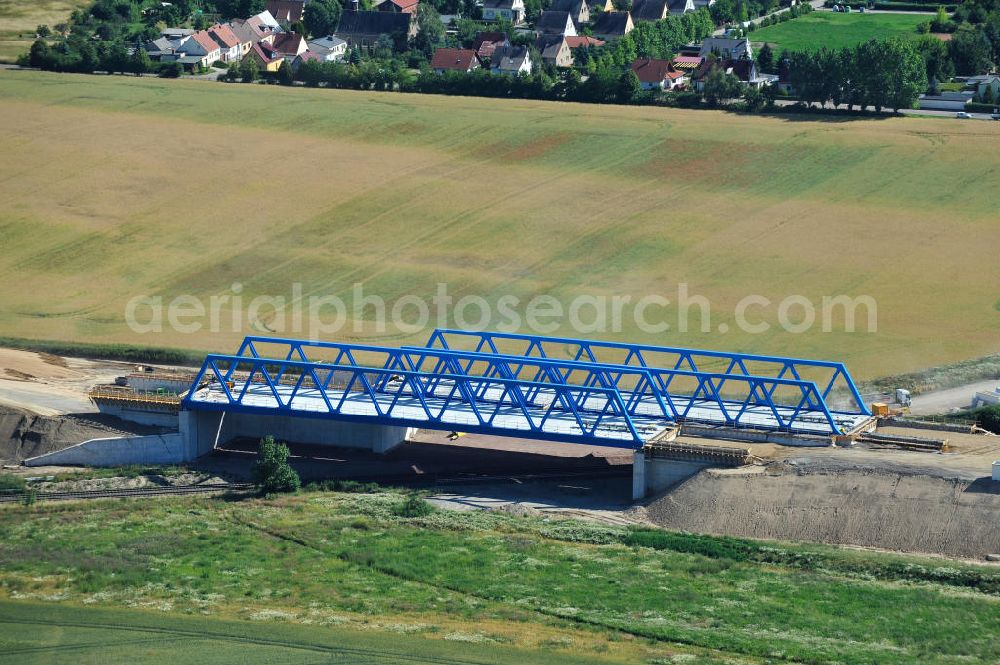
(942, 401)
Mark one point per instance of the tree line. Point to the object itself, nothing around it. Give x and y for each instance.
(884, 74)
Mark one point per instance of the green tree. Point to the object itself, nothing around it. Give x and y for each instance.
(285, 76)
(43, 31)
(140, 63)
(171, 70)
(430, 29)
(754, 98)
(721, 87)
(628, 87)
(271, 472)
(765, 58)
(321, 17)
(970, 51)
(38, 56)
(249, 70)
(904, 74)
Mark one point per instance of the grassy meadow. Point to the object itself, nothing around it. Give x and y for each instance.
(319, 570)
(116, 187)
(836, 31)
(22, 17)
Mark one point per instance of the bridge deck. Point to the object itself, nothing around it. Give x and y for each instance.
(408, 409)
(648, 418)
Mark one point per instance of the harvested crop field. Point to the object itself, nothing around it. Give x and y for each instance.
(867, 507)
(167, 188)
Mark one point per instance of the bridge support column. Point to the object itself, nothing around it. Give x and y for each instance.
(638, 475)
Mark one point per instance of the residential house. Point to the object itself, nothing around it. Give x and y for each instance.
(454, 60)
(199, 51)
(578, 10)
(267, 58)
(650, 10)
(511, 60)
(287, 11)
(247, 34)
(600, 6)
(678, 7)
(745, 70)
(400, 7)
(612, 25)
(726, 48)
(555, 23)
(179, 34)
(363, 28)
(161, 49)
(290, 44)
(266, 20)
(703, 4)
(229, 43)
(252, 30)
(555, 50)
(487, 42)
(308, 56)
(984, 82)
(583, 40)
(508, 10)
(686, 62)
(658, 74)
(329, 48)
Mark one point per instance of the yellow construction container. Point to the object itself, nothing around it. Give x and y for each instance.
(880, 409)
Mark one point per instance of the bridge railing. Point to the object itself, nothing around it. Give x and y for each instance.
(406, 397)
(832, 376)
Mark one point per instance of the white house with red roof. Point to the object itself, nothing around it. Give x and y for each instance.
(199, 51)
(656, 74)
(229, 43)
(454, 60)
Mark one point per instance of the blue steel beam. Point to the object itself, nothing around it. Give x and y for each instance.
(403, 400)
(457, 362)
(652, 382)
(759, 390)
(638, 354)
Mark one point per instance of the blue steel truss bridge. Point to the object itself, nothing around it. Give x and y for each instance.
(529, 386)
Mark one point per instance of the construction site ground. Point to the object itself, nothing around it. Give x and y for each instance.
(870, 496)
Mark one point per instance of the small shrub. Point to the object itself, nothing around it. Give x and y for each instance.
(271, 472)
(30, 496)
(9, 481)
(412, 506)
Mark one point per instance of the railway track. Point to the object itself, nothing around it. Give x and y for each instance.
(17, 496)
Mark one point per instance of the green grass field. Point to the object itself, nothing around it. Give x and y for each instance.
(104, 581)
(49, 634)
(21, 17)
(117, 187)
(836, 31)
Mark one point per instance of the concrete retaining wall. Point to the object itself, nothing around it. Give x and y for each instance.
(157, 418)
(651, 475)
(154, 449)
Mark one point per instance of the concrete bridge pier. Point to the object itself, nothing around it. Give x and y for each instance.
(202, 431)
(651, 475)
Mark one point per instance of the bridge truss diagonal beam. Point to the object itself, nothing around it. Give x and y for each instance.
(833, 375)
